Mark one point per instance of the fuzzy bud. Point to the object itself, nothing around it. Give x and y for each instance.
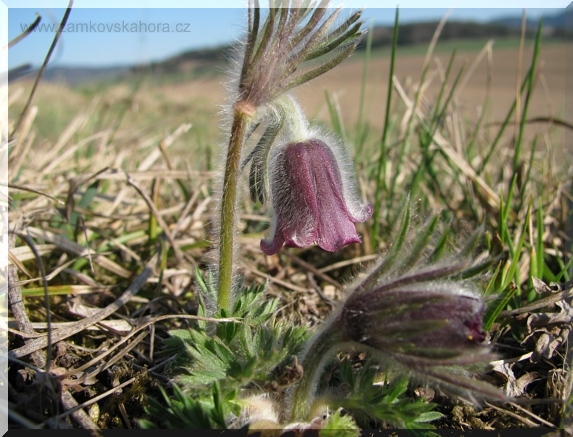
(437, 324)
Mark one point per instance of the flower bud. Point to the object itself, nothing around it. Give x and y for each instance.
(312, 199)
(427, 327)
(436, 324)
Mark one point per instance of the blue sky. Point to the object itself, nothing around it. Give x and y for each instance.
(126, 36)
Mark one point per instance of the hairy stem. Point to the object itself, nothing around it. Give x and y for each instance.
(318, 352)
(228, 212)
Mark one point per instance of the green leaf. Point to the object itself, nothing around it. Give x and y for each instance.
(397, 387)
(371, 403)
(342, 425)
(178, 411)
(235, 354)
(429, 416)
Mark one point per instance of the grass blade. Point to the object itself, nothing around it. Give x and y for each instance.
(381, 159)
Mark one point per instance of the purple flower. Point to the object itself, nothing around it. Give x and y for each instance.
(313, 198)
(418, 325)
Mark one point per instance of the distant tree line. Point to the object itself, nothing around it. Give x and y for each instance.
(418, 33)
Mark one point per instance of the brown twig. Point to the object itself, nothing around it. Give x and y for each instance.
(535, 416)
(70, 404)
(18, 308)
(349, 262)
(146, 175)
(551, 120)
(100, 357)
(550, 300)
(72, 247)
(42, 70)
(313, 270)
(527, 422)
(40, 264)
(33, 190)
(27, 32)
(95, 399)
(253, 269)
(323, 296)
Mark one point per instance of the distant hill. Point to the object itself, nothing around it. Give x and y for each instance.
(559, 25)
(200, 61)
(79, 75)
(562, 21)
(70, 75)
(417, 33)
(211, 60)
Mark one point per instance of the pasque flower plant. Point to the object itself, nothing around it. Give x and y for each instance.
(276, 57)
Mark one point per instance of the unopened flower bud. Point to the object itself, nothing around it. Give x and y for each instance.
(431, 324)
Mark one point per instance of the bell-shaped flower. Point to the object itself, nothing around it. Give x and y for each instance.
(314, 198)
